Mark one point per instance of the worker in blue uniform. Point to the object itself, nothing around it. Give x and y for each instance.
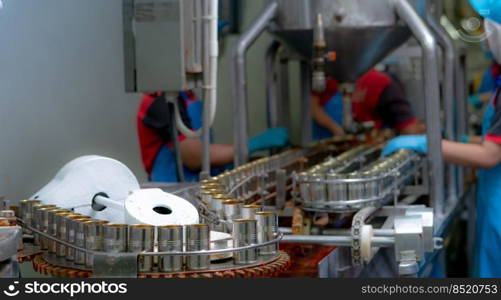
(485, 156)
(157, 149)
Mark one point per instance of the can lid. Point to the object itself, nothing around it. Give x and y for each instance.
(252, 206)
(63, 213)
(232, 202)
(244, 221)
(78, 217)
(141, 226)
(29, 201)
(170, 226)
(197, 225)
(266, 213)
(112, 225)
(95, 222)
(40, 206)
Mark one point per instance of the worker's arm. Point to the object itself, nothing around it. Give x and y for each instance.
(323, 119)
(483, 156)
(191, 154)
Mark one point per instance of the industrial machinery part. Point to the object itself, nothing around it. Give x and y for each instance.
(327, 187)
(10, 244)
(81, 247)
(318, 82)
(172, 45)
(244, 234)
(272, 268)
(411, 235)
(359, 24)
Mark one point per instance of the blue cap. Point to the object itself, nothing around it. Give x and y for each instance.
(490, 9)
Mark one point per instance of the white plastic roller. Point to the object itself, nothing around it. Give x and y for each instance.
(77, 183)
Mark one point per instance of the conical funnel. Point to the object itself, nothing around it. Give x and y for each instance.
(361, 32)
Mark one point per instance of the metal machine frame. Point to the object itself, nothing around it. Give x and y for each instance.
(430, 36)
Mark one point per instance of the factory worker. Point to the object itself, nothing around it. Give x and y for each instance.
(377, 98)
(485, 156)
(488, 82)
(154, 130)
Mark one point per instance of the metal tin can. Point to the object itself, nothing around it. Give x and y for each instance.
(244, 234)
(232, 209)
(212, 186)
(318, 188)
(304, 187)
(355, 189)
(115, 238)
(80, 241)
(71, 228)
(217, 203)
(52, 214)
(249, 211)
(267, 229)
(26, 207)
(371, 186)
(93, 240)
(61, 220)
(40, 222)
(141, 239)
(197, 239)
(170, 239)
(338, 191)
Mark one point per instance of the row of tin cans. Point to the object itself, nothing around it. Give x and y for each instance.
(227, 207)
(233, 179)
(96, 235)
(318, 185)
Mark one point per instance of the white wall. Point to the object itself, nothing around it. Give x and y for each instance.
(61, 90)
(256, 93)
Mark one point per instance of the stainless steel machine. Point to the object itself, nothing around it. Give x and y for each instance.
(344, 39)
(387, 213)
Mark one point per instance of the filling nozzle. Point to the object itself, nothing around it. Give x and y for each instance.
(318, 82)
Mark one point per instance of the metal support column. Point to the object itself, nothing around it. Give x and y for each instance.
(239, 93)
(306, 118)
(450, 99)
(271, 85)
(432, 99)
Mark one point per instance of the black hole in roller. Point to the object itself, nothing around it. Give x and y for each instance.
(163, 210)
(96, 206)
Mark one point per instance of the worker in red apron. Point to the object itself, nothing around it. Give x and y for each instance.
(377, 98)
(157, 149)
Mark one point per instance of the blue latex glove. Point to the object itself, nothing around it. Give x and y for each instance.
(417, 143)
(475, 101)
(271, 138)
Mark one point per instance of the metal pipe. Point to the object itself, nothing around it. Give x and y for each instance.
(306, 117)
(432, 100)
(172, 99)
(284, 97)
(450, 97)
(377, 241)
(271, 84)
(107, 202)
(462, 112)
(205, 172)
(377, 232)
(240, 124)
